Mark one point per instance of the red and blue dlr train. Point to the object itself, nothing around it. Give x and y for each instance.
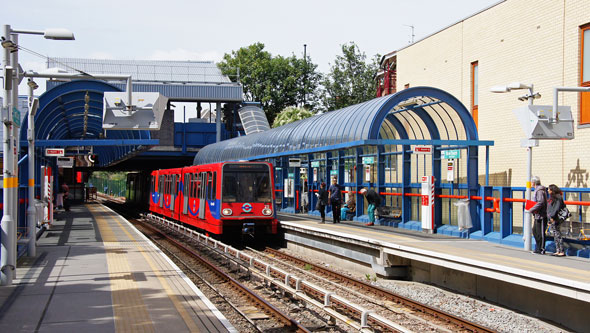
(229, 198)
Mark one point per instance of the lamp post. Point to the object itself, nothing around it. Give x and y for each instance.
(528, 144)
(31, 211)
(12, 77)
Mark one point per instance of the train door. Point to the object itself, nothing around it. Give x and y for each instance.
(212, 193)
(172, 192)
(161, 186)
(186, 187)
(202, 195)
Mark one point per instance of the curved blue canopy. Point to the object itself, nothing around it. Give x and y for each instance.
(73, 111)
(417, 114)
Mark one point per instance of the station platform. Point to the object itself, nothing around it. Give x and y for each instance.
(556, 288)
(94, 272)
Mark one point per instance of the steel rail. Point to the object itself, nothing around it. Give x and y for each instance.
(465, 324)
(289, 323)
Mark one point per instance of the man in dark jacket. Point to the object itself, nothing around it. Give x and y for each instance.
(374, 201)
(539, 212)
(335, 193)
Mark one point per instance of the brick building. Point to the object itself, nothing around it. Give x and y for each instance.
(546, 43)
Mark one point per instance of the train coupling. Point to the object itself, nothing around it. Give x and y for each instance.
(248, 228)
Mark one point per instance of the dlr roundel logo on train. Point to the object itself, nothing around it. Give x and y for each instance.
(247, 208)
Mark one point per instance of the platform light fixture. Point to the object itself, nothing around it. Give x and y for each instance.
(528, 144)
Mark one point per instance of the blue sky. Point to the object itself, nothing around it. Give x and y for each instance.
(205, 30)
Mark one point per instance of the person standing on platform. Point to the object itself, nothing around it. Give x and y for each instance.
(554, 205)
(539, 211)
(335, 193)
(322, 201)
(374, 201)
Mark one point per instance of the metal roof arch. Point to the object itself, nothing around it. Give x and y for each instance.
(424, 119)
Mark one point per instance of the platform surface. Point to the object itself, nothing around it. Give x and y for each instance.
(569, 276)
(94, 272)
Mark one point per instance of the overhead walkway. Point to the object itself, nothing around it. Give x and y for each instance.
(96, 273)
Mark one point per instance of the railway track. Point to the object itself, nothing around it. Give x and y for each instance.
(253, 308)
(375, 293)
(330, 303)
(283, 321)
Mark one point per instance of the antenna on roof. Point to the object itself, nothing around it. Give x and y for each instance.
(411, 26)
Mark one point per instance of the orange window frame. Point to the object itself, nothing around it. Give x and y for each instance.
(474, 103)
(584, 96)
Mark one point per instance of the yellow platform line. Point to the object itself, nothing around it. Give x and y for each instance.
(192, 326)
(130, 312)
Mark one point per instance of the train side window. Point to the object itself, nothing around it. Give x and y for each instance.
(214, 186)
(195, 185)
(166, 184)
(199, 180)
(152, 184)
(209, 185)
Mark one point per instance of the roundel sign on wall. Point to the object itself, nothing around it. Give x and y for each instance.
(247, 208)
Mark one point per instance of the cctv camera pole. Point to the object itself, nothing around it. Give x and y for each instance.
(15, 142)
(529, 163)
(9, 179)
(31, 211)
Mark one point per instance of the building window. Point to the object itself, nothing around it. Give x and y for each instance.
(585, 73)
(474, 94)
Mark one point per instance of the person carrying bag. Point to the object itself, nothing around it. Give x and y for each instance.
(557, 212)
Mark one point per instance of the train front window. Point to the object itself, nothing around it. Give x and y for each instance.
(246, 183)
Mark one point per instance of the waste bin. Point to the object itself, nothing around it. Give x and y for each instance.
(463, 216)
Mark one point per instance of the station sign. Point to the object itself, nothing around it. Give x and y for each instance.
(291, 175)
(333, 172)
(315, 164)
(294, 163)
(16, 117)
(451, 154)
(55, 152)
(368, 160)
(423, 149)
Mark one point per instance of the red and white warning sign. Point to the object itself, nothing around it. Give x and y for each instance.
(423, 149)
(55, 152)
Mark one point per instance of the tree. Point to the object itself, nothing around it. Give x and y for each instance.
(291, 114)
(275, 82)
(350, 80)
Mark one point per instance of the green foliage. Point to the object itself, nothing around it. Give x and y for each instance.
(350, 80)
(307, 267)
(276, 82)
(291, 114)
(110, 175)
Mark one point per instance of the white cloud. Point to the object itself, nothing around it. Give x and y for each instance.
(183, 54)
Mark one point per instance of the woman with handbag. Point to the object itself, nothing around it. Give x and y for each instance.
(556, 214)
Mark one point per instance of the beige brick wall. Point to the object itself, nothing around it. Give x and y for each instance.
(516, 40)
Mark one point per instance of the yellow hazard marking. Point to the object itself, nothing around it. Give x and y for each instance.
(32, 182)
(171, 294)
(10, 182)
(130, 312)
(528, 184)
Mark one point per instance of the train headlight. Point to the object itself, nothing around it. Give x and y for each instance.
(267, 211)
(226, 212)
